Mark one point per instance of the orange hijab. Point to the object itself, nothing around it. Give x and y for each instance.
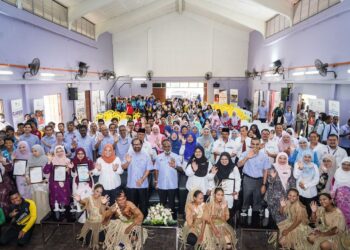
(111, 158)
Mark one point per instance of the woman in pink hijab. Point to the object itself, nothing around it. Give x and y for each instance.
(23, 152)
(156, 138)
(215, 120)
(280, 180)
(286, 144)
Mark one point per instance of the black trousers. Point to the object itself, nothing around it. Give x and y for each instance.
(167, 198)
(138, 196)
(251, 193)
(11, 234)
(263, 120)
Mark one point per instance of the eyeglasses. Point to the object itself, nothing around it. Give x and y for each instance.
(302, 142)
(346, 164)
(138, 144)
(326, 160)
(254, 144)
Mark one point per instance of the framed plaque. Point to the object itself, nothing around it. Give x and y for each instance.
(59, 173)
(19, 167)
(83, 172)
(36, 174)
(1, 179)
(226, 187)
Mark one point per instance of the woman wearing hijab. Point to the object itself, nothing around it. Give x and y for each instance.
(286, 144)
(235, 121)
(206, 141)
(225, 119)
(60, 191)
(81, 187)
(175, 142)
(280, 180)
(188, 147)
(327, 170)
(297, 154)
(215, 120)
(108, 168)
(183, 131)
(156, 138)
(23, 153)
(198, 171)
(228, 177)
(341, 188)
(307, 175)
(40, 191)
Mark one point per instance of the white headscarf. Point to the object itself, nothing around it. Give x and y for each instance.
(342, 178)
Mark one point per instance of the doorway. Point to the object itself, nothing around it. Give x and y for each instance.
(53, 108)
(189, 90)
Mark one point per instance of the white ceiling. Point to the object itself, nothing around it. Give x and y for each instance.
(118, 15)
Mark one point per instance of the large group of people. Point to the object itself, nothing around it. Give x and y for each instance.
(179, 146)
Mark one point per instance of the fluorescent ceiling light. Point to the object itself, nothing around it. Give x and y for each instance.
(313, 72)
(47, 74)
(301, 73)
(139, 79)
(6, 72)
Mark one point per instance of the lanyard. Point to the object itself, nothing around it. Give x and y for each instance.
(333, 152)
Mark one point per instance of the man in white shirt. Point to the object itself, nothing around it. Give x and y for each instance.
(333, 149)
(268, 146)
(331, 128)
(225, 144)
(316, 146)
(244, 140)
(146, 146)
(278, 130)
(345, 137)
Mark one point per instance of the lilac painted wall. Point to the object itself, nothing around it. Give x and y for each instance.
(325, 36)
(24, 36)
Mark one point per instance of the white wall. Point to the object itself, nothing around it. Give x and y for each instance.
(181, 46)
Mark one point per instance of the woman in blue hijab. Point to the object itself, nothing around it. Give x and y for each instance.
(175, 142)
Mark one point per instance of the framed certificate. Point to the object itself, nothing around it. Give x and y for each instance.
(1, 179)
(83, 172)
(59, 173)
(36, 174)
(19, 167)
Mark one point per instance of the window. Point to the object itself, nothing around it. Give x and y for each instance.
(56, 13)
(307, 8)
(84, 27)
(303, 9)
(13, 2)
(276, 24)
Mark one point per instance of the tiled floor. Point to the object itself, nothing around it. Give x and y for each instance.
(63, 240)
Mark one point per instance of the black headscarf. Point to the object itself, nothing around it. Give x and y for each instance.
(224, 171)
(202, 163)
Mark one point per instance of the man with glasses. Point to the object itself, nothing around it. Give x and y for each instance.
(103, 139)
(138, 164)
(255, 164)
(146, 146)
(333, 149)
(269, 147)
(225, 144)
(166, 176)
(123, 144)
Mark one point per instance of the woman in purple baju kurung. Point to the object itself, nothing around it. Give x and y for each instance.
(23, 152)
(59, 191)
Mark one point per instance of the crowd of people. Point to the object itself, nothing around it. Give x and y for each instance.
(179, 145)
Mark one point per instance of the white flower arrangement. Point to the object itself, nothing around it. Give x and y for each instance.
(159, 215)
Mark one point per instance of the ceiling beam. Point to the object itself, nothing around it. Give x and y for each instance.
(283, 7)
(214, 10)
(136, 17)
(87, 6)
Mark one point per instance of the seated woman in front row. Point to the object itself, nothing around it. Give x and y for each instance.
(92, 232)
(294, 229)
(330, 225)
(193, 232)
(125, 231)
(222, 235)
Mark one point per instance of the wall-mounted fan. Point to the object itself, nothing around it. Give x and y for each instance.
(149, 75)
(277, 67)
(34, 67)
(82, 71)
(248, 74)
(256, 73)
(208, 76)
(107, 74)
(323, 68)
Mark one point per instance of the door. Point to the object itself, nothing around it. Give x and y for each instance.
(159, 91)
(88, 104)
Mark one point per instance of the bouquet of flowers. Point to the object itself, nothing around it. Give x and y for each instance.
(159, 215)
